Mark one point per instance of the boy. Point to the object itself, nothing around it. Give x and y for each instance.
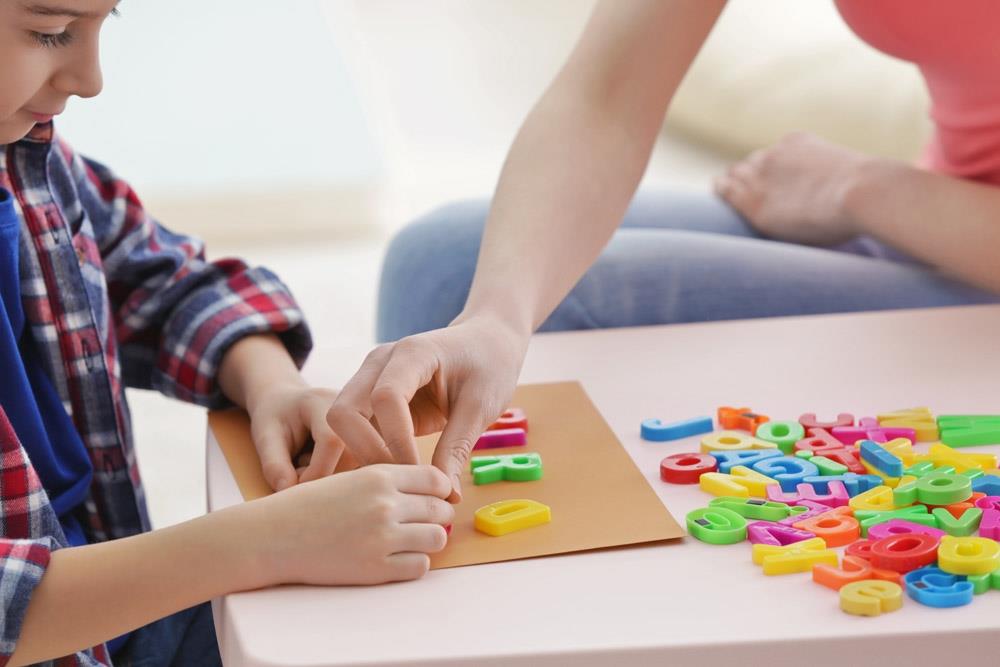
(95, 295)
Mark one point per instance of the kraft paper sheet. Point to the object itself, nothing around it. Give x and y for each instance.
(598, 497)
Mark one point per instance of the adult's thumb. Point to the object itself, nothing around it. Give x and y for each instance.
(451, 456)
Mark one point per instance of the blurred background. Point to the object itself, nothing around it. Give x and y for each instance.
(302, 134)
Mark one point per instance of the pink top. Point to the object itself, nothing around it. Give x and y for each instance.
(956, 45)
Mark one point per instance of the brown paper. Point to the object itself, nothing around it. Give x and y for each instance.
(597, 495)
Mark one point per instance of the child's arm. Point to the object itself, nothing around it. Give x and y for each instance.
(258, 374)
(387, 519)
(203, 331)
(174, 312)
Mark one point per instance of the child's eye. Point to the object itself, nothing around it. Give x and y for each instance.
(52, 40)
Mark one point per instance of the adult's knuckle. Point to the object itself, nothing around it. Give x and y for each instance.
(272, 468)
(338, 414)
(461, 450)
(379, 352)
(409, 346)
(383, 393)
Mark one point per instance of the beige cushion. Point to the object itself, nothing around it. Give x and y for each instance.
(773, 66)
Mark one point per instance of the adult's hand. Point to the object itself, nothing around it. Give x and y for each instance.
(458, 379)
(797, 190)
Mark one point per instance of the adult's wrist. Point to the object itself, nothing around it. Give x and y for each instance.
(509, 335)
(516, 324)
(871, 180)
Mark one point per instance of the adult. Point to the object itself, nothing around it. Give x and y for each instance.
(801, 227)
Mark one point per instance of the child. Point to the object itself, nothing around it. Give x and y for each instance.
(95, 295)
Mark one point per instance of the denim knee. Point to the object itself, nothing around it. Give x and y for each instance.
(427, 270)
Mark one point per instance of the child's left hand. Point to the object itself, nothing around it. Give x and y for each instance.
(285, 418)
(286, 414)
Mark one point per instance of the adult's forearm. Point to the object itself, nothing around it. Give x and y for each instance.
(950, 223)
(568, 179)
(580, 154)
(92, 593)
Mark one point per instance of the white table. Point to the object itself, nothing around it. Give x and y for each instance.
(681, 603)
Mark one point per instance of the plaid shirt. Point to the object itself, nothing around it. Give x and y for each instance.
(113, 299)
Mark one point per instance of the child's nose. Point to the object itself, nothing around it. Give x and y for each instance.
(81, 75)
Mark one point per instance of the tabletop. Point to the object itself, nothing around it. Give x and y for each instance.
(683, 601)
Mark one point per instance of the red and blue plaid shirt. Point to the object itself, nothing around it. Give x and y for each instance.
(115, 300)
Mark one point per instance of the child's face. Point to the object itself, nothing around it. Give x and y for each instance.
(48, 52)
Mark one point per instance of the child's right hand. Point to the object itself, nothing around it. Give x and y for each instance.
(367, 526)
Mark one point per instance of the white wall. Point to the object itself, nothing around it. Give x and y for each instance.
(228, 97)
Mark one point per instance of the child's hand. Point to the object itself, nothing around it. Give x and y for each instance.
(256, 373)
(366, 526)
(283, 419)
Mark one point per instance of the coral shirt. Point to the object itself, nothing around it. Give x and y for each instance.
(956, 45)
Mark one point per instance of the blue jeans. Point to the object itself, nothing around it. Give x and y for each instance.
(184, 639)
(678, 257)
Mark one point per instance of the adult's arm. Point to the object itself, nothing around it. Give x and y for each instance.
(950, 223)
(581, 153)
(804, 189)
(567, 181)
